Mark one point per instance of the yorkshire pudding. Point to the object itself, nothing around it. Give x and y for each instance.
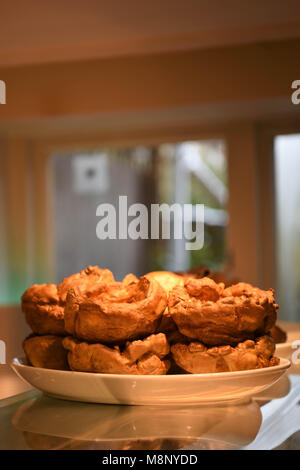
(46, 352)
(205, 311)
(87, 280)
(196, 358)
(168, 281)
(142, 357)
(116, 312)
(278, 334)
(43, 304)
(44, 311)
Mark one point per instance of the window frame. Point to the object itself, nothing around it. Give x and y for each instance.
(266, 140)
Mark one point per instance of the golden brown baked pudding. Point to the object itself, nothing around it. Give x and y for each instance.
(140, 357)
(86, 281)
(205, 311)
(44, 311)
(43, 304)
(196, 358)
(278, 334)
(168, 281)
(116, 312)
(147, 325)
(46, 352)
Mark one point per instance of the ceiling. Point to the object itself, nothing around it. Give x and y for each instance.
(35, 32)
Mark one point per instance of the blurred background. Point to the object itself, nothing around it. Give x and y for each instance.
(162, 101)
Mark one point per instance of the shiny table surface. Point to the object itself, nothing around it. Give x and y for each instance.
(271, 420)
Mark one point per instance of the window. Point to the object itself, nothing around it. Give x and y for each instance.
(287, 184)
(186, 172)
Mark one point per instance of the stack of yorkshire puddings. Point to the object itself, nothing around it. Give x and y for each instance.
(163, 322)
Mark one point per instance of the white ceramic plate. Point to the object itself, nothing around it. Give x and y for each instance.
(151, 389)
(292, 345)
(285, 350)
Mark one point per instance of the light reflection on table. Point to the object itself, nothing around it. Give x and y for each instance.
(50, 423)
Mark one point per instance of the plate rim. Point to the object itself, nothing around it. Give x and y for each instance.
(284, 364)
(286, 344)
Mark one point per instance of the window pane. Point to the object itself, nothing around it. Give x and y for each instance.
(287, 183)
(81, 183)
(183, 173)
